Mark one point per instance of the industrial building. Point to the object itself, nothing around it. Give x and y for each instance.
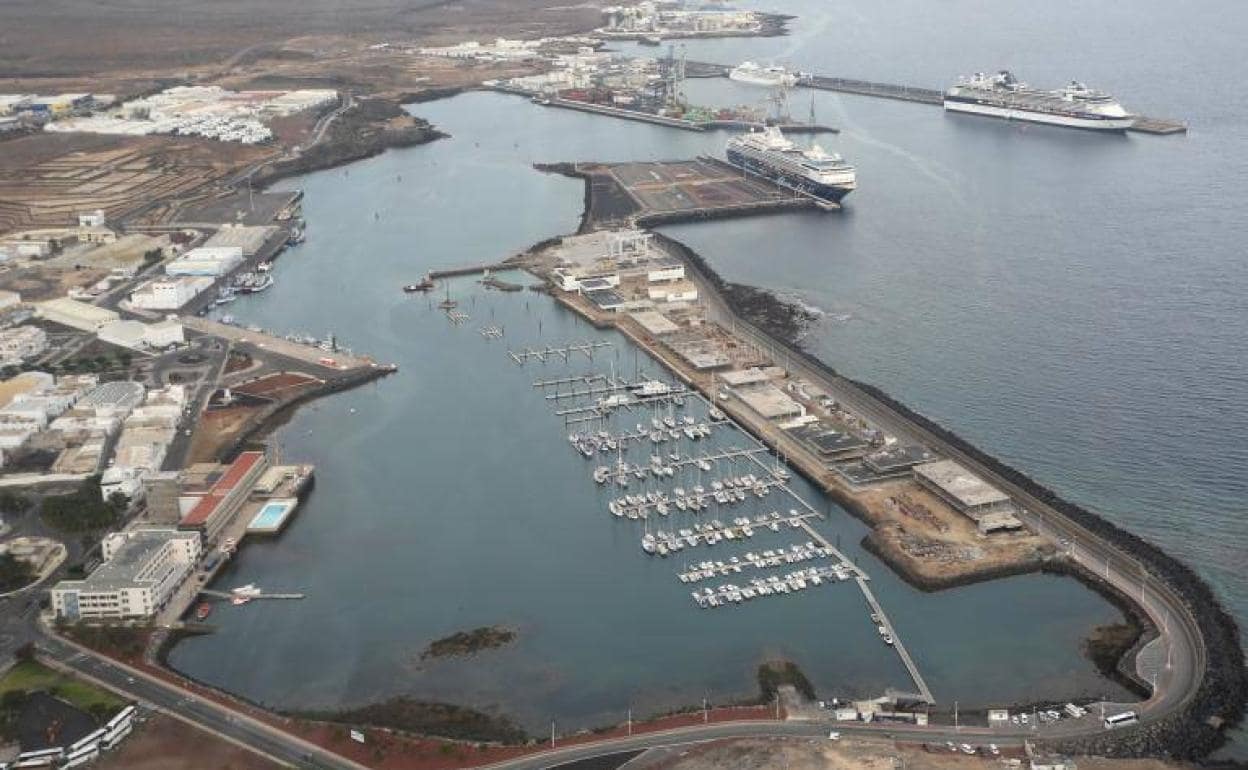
(76, 315)
(169, 293)
(990, 508)
(214, 262)
(142, 568)
(249, 239)
(137, 335)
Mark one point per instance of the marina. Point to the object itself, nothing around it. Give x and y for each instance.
(686, 508)
(539, 541)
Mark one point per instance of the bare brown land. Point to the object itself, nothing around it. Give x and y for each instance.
(142, 39)
(165, 743)
(848, 754)
(47, 179)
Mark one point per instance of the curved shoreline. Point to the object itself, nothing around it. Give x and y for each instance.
(1193, 731)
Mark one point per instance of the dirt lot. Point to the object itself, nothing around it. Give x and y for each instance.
(165, 743)
(174, 38)
(936, 543)
(855, 754)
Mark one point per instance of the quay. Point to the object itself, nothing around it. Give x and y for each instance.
(1143, 124)
(453, 272)
(646, 194)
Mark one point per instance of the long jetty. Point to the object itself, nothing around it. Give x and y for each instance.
(1143, 124)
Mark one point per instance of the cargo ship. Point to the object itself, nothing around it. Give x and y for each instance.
(824, 176)
(1004, 96)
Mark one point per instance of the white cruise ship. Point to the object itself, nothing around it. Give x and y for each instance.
(1003, 96)
(759, 75)
(814, 172)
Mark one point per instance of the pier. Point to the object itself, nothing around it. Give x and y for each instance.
(696, 502)
(560, 351)
(248, 596)
(1143, 124)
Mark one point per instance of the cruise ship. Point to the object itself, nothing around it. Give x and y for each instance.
(767, 153)
(759, 75)
(1004, 96)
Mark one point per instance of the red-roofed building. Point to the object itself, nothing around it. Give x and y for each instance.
(226, 496)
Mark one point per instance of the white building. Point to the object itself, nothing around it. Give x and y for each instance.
(169, 293)
(92, 219)
(216, 261)
(142, 568)
(162, 334)
(113, 398)
(21, 343)
(126, 334)
(75, 314)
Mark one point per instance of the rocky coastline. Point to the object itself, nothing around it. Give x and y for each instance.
(1200, 726)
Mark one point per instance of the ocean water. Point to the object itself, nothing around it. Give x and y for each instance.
(1071, 302)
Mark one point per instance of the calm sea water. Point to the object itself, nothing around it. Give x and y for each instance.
(1071, 302)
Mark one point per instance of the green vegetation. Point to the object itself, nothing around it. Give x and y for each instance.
(83, 510)
(27, 676)
(12, 503)
(14, 573)
(119, 641)
(775, 673)
(468, 642)
(424, 718)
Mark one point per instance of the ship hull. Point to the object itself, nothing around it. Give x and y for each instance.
(766, 82)
(828, 194)
(1088, 123)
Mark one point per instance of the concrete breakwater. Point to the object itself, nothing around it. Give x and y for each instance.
(1198, 725)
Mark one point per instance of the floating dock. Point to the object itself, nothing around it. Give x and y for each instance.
(699, 528)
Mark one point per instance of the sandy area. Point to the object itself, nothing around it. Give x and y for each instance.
(165, 743)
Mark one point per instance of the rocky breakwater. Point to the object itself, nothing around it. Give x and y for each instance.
(1191, 731)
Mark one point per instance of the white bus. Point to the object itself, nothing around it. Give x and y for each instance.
(115, 736)
(45, 758)
(89, 740)
(82, 756)
(124, 715)
(1120, 720)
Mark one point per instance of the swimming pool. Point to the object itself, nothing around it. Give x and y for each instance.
(272, 516)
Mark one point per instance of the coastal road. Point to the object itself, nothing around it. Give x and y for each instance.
(206, 714)
(1185, 653)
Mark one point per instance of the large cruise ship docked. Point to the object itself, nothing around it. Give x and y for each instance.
(758, 75)
(1003, 96)
(767, 153)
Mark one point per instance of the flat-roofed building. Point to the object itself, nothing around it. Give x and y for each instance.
(769, 401)
(206, 261)
(76, 315)
(113, 398)
(169, 293)
(247, 238)
(142, 568)
(654, 322)
(959, 487)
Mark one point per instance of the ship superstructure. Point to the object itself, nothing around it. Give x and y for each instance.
(824, 176)
(1004, 96)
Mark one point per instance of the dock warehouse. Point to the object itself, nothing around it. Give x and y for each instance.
(206, 261)
(247, 238)
(989, 507)
(75, 314)
(655, 323)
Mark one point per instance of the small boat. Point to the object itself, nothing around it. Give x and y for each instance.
(425, 284)
(203, 611)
